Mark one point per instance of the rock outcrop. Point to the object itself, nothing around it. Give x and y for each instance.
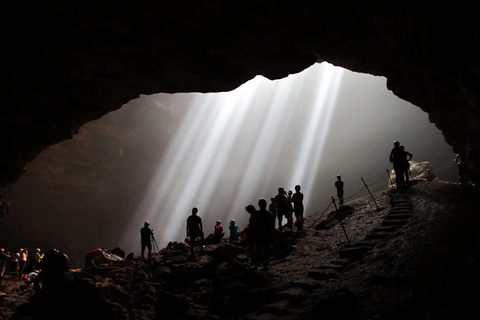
(67, 64)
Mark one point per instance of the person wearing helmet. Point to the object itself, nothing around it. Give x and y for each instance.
(234, 232)
(146, 239)
(91, 256)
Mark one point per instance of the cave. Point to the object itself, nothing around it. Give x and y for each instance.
(69, 64)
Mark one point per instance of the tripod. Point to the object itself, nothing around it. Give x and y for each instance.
(155, 245)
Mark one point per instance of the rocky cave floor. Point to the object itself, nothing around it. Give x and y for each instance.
(416, 257)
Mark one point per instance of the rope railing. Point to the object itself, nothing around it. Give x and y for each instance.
(314, 223)
(368, 185)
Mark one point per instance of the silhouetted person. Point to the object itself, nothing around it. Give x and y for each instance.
(272, 207)
(234, 231)
(290, 210)
(194, 230)
(407, 156)
(91, 256)
(282, 204)
(218, 232)
(339, 187)
(297, 199)
(461, 170)
(397, 158)
(3, 262)
(247, 231)
(146, 239)
(262, 230)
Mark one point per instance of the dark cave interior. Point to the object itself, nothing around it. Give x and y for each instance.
(68, 64)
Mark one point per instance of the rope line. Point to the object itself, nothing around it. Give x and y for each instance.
(383, 175)
(304, 231)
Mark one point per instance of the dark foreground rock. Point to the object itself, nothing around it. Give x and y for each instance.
(423, 268)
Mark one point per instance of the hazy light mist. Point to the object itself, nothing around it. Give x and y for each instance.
(231, 149)
(160, 155)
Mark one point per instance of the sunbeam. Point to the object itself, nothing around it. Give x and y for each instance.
(233, 148)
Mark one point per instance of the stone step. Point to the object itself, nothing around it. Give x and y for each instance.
(377, 235)
(354, 253)
(398, 216)
(367, 243)
(385, 229)
(341, 262)
(399, 211)
(400, 202)
(331, 267)
(394, 222)
(294, 294)
(323, 275)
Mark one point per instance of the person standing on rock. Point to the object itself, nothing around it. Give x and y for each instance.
(297, 199)
(461, 170)
(339, 187)
(282, 204)
(263, 231)
(194, 230)
(146, 238)
(407, 156)
(3, 262)
(397, 158)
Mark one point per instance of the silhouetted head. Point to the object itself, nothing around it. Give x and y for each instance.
(272, 199)
(37, 250)
(290, 192)
(281, 190)
(219, 222)
(55, 263)
(339, 177)
(402, 148)
(194, 211)
(146, 224)
(250, 209)
(297, 188)
(232, 222)
(262, 203)
(396, 144)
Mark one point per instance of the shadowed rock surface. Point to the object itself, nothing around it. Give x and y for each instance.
(427, 266)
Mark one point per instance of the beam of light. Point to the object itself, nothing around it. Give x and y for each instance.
(316, 128)
(234, 148)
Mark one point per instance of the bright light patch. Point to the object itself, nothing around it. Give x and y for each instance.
(234, 148)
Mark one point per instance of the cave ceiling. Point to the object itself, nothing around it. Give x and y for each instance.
(70, 63)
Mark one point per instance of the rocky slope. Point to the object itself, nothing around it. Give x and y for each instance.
(409, 255)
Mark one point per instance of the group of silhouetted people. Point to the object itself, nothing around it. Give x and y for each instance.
(400, 159)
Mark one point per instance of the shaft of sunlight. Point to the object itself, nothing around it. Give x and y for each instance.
(234, 148)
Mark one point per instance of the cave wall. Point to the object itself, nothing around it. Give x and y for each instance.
(67, 64)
